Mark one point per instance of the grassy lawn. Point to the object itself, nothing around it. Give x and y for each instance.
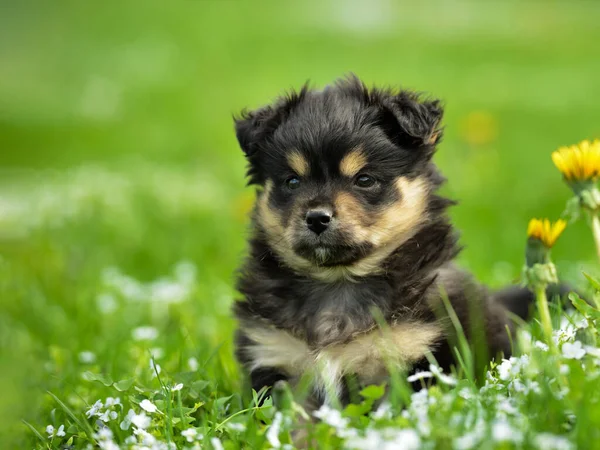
(123, 209)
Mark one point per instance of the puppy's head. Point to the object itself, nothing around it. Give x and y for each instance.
(344, 172)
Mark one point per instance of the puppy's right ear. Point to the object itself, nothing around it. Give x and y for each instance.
(255, 128)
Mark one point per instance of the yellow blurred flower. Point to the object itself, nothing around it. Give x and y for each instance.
(580, 162)
(545, 231)
(479, 128)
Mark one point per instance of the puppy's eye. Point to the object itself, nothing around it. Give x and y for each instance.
(365, 181)
(292, 183)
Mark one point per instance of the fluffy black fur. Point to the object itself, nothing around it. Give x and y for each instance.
(398, 131)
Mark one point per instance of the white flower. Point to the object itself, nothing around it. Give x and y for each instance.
(60, 432)
(126, 423)
(573, 351)
(419, 376)
(154, 368)
(384, 411)
(505, 370)
(142, 421)
(145, 333)
(405, 439)
(189, 434)
(147, 405)
(541, 346)
(177, 387)
(193, 364)
(147, 438)
(94, 410)
(112, 401)
(274, 429)
(236, 426)
(104, 434)
(547, 441)
(445, 379)
(108, 415)
(331, 417)
(502, 431)
(216, 443)
(87, 357)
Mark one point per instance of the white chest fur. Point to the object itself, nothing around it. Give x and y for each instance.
(368, 355)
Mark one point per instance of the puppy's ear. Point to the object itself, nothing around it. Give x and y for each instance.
(410, 122)
(254, 129)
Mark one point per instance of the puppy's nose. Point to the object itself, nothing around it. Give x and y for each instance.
(317, 220)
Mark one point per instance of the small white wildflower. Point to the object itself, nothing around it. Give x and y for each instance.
(216, 443)
(549, 441)
(502, 431)
(61, 431)
(126, 423)
(148, 406)
(108, 415)
(406, 439)
(331, 417)
(190, 434)
(193, 364)
(419, 376)
(372, 439)
(541, 346)
(147, 438)
(94, 410)
(52, 432)
(87, 357)
(154, 368)
(145, 333)
(130, 440)
(112, 401)
(274, 429)
(177, 387)
(573, 351)
(582, 324)
(142, 421)
(384, 411)
(505, 370)
(104, 434)
(445, 379)
(236, 426)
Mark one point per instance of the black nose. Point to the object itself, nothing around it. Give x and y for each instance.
(318, 220)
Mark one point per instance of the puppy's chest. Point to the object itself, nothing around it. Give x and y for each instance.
(335, 334)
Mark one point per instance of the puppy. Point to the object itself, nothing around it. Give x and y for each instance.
(348, 233)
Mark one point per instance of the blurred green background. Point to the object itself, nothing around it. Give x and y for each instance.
(117, 150)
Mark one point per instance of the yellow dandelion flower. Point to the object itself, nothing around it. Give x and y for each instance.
(545, 231)
(580, 162)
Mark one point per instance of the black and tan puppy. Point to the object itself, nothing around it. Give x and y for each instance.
(348, 223)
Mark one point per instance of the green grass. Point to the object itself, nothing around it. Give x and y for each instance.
(122, 199)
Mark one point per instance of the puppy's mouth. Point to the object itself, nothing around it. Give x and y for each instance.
(327, 255)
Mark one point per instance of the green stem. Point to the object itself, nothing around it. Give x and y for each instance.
(542, 304)
(596, 232)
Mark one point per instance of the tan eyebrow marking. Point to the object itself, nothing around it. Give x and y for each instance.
(353, 162)
(298, 163)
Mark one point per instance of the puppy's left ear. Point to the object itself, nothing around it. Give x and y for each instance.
(411, 122)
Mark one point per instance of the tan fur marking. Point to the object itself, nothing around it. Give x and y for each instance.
(298, 163)
(351, 215)
(368, 355)
(278, 238)
(353, 162)
(397, 224)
